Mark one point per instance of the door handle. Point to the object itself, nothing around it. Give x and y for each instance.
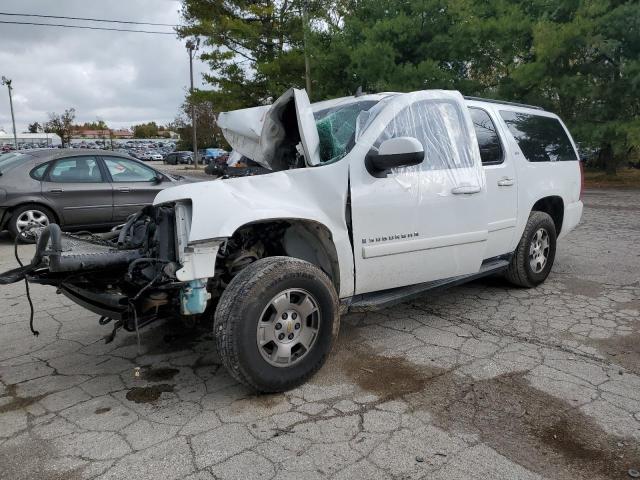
(466, 189)
(123, 189)
(56, 190)
(505, 182)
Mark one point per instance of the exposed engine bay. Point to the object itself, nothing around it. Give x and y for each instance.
(131, 275)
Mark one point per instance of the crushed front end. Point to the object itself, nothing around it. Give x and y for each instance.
(144, 271)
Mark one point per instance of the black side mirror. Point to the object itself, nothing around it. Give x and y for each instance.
(159, 178)
(394, 153)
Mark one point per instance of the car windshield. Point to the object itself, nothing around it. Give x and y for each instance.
(10, 160)
(337, 128)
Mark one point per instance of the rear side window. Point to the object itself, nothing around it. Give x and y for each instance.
(75, 170)
(541, 139)
(488, 140)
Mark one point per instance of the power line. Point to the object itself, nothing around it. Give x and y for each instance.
(88, 19)
(86, 27)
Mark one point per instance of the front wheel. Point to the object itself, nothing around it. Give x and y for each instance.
(534, 256)
(276, 322)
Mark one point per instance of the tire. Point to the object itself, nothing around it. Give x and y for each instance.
(40, 215)
(521, 272)
(246, 306)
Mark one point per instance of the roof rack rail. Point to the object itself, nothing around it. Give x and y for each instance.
(502, 102)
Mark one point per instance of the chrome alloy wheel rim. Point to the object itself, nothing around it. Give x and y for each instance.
(539, 250)
(288, 327)
(30, 219)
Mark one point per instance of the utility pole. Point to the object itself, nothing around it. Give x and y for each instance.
(192, 47)
(305, 45)
(7, 82)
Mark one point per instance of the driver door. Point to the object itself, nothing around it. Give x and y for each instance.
(425, 222)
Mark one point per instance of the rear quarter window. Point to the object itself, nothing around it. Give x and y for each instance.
(541, 138)
(38, 172)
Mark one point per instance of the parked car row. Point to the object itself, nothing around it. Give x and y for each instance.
(9, 147)
(147, 151)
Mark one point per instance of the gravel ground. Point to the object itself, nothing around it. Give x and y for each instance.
(482, 381)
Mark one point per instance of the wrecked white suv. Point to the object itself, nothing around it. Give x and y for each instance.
(368, 200)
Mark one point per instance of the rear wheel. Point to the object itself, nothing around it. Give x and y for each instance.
(276, 322)
(27, 217)
(534, 256)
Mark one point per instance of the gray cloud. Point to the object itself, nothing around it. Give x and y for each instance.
(122, 78)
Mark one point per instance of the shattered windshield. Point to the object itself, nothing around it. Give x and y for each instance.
(337, 128)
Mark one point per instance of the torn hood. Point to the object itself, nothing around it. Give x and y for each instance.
(274, 135)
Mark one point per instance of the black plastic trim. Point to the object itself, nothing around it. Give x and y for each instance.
(386, 298)
(393, 161)
(94, 304)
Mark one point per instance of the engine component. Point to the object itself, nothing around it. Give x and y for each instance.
(154, 300)
(194, 297)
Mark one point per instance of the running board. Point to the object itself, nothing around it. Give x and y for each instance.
(386, 298)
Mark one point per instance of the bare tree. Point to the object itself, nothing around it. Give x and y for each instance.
(62, 125)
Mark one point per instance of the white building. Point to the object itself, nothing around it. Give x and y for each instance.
(49, 139)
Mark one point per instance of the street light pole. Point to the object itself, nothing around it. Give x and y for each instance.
(192, 47)
(7, 82)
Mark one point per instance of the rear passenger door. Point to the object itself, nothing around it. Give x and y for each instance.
(134, 186)
(77, 186)
(500, 174)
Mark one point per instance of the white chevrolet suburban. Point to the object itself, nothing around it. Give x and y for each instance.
(365, 201)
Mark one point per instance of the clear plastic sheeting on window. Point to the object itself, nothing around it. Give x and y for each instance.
(337, 129)
(440, 121)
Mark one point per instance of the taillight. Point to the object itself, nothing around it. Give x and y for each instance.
(581, 178)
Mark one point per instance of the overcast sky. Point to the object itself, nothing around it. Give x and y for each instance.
(122, 78)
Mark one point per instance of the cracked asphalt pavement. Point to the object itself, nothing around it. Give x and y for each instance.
(481, 381)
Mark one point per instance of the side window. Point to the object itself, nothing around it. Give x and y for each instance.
(124, 170)
(75, 170)
(488, 139)
(439, 126)
(541, 139)
(38, 172)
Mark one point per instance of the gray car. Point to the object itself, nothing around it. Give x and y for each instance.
(175, 158)
(76, 188)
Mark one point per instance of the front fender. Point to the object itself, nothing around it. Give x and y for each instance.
(220, 207)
